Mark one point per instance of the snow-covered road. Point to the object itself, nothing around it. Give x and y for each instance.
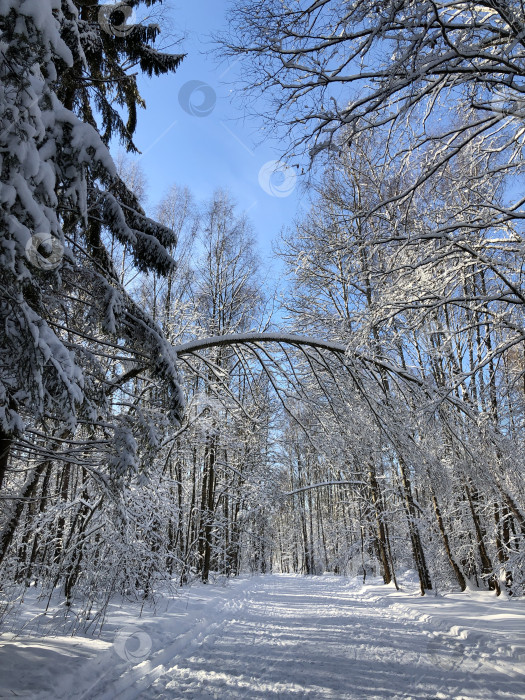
(318, 638)
(313, 637)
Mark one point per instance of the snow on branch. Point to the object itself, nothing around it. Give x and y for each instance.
(247, 338)
(194, 346)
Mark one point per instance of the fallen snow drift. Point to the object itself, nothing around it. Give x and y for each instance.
(285, 636)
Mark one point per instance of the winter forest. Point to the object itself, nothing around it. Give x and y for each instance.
(170, 414)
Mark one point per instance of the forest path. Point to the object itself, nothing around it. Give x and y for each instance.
(328, 637)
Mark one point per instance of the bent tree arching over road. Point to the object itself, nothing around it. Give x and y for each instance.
(299, 341)
(380, 369)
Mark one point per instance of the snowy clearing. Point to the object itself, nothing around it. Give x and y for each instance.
(281, 636)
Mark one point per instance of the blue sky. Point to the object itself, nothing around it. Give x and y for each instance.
(219, 149)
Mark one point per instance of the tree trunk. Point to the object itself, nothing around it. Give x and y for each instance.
(415, 538)
(381, 536)
(486, 565)
(6, 440)
(208, 492)
(28, 490)
(457, 571)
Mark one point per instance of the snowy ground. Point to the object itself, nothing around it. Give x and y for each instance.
(285, 636)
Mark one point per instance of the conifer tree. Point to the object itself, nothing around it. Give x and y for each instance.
(104, 78)
(61, 300)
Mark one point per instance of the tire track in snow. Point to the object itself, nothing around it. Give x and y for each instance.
(325, 638)
(136, 681)
(296, 649)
